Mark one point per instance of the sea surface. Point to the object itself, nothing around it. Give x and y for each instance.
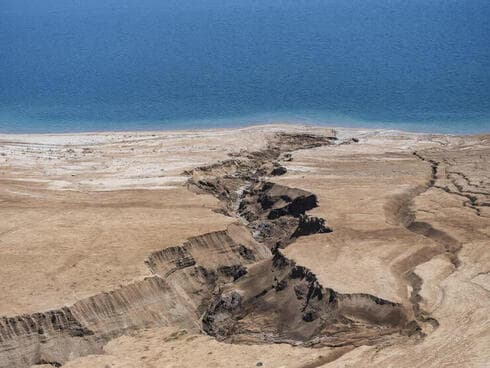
(91, 65)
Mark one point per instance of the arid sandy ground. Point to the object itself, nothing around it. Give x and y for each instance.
(410, 213)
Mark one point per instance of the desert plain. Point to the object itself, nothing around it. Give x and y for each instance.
(272, 246)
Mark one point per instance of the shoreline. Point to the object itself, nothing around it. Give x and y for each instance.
(108, 161)
(253, 126)
(249, 121)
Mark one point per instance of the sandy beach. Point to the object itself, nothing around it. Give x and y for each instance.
(130, 249)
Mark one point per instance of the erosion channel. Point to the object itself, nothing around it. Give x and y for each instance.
(235, 284)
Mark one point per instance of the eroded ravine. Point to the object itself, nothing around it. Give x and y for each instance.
(233, 284)
(402, 211)
(277, 300)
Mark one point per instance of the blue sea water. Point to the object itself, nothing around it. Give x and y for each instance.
(84, 65)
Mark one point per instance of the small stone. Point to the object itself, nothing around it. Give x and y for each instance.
(278, 171)
(259, 364)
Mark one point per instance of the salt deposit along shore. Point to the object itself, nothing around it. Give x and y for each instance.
(274, 246)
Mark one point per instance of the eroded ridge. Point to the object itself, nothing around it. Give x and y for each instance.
(184, 278)
(234, 284)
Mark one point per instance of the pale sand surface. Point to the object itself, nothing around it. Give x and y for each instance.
(164, 347)
(81, 212)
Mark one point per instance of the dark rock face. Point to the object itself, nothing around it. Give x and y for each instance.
(217, 320)
(310, 225)
(279, 301)
(276, 213)
(278, 170)
(246, 253)
(234, 271)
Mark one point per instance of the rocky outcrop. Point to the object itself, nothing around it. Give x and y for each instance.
(44, 337)
(279, 301)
